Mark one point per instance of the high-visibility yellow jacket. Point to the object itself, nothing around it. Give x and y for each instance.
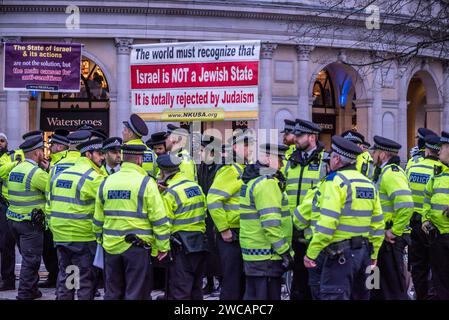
(223, 197)
(436, 200)
(396, 198)
(149, 158)
(26, 190)
(56, 157)
(349, 207)
(365, 164)
(418, 175)
(187, 166)
(71, 202)
(6, 165)
(265, 220)
(185, 204)
(415, 159)
(123, 208)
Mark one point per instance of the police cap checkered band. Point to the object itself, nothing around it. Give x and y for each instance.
(384, 148)
(435, 147)
(59, 139)
(112, 143)
(133, 149)
(92, 145)
(384, 144)
(344, 153)
(299, 129)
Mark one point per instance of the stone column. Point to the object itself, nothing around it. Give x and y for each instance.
(14, 119)
(402, 112)
(304, 106)
(445, 124)
(2, 96)
(266, 77)
(376, 110)
(123, 82)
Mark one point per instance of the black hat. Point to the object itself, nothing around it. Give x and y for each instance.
(345, 147)
(134, 149)
(167, 161)
(31, 144)
(366, 144)
(112, 143)
(245, 136)
(444, 137)
(84, 127)
(207, 140)
(174, 129)
(33, 134)
(136, 125)
(304, 126)
(157, 138)
(91, 145)
(99, 133)
(62, 132)
(424, 132)
(59, 139)
(353, 136)
(384, 144)
(289, 126)
(433, 142)
(274, 149)
(80, 136)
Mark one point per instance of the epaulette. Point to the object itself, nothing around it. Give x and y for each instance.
(394, 168)
(437, 169)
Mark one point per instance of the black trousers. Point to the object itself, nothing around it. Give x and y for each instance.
(392, 271)
(300, 289)
(50, 256)
(345, 279)
(30, 240)
(233, 281)
(419, 260)
(7, 249)
(439, 260)
(263, 288)
(76, 271)
(185, 276)
(128, 276)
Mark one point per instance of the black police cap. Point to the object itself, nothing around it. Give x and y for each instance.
(424, 132)
(59, 139)
(137, 125)
(167, 161)
(304, 126)
(133, 149)
(80, 136)
(31, 144)
(99, 133)
(444, 137)
(274, 149)
(91, 145)
(62, 132)
(112, 143)
(353, 136)
(432, 142)
(381, 143)
(84, 127)
(174, 129)
(157, 138)
(33, 134)
(289, 126)
(345, 147)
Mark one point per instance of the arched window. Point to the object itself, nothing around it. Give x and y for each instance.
(323, 91)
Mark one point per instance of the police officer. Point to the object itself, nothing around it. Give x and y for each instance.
(176, 143)
(397, 206)
(350, 228)
(289, 138)
(129, 219)
(71, 201)
(72, 154)
(304, 170)
(223, 206)
(417, 153)
(418, 252)
(133, 131)
(265, 225)
(7, 242)
(364, 161)
(436, 220)
(211, 162)
(157, 143)
(59, 143)
(186, 208)
(26, 194)
(112, 155)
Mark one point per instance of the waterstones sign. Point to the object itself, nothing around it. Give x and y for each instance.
(52, 119)
(218, 76)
